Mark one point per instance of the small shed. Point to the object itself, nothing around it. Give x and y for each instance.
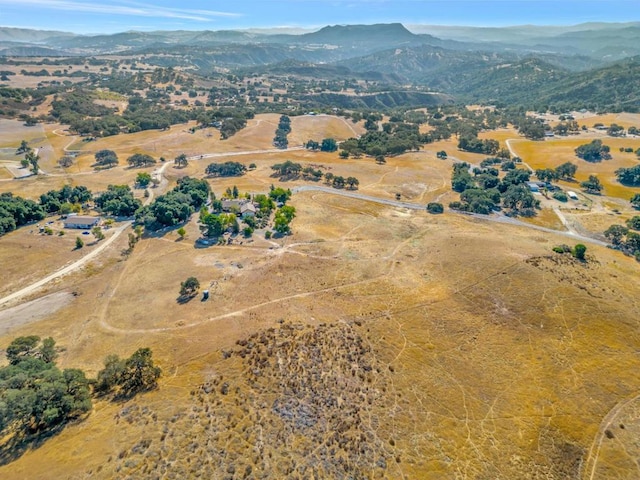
(81, 221)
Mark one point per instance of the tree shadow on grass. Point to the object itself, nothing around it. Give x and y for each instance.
(20, 443)
(184, 299)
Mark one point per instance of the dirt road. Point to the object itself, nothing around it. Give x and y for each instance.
(69, 268)
(414, 206)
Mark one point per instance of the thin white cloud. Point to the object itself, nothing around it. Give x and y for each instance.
(129, 9)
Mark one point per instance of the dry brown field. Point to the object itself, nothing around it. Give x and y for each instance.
(373, 342)
(551, 153)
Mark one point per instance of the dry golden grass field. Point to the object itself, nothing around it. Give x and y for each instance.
(553, 152)
(373, 342)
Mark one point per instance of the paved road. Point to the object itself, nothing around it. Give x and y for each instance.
(497, 218)
(304, 188)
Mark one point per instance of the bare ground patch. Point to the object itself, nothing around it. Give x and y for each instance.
(33, 311)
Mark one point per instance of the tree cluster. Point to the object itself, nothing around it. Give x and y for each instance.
(127, 377)
(395, 139)
(283, 217)
(531, 128)
(579, 251)
(326, 145)
(484, 191)
(226, 169)
(338, 181)
(624, 239)
(176, 206)
(35, 395)
(592, 185)
(106, 158)
(476, 145)
(595, 151)
(140, 160)
(61, 200)
(118, 200)
(228, 120)
(287, 171)
(17, 211)
(213, 225)
(283, 130)
(629, 176)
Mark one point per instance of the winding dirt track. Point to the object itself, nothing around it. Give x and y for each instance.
(305, 188)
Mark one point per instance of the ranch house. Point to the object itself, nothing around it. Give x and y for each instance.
(81, 222)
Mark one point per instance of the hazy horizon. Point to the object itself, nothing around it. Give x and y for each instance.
(114, 16)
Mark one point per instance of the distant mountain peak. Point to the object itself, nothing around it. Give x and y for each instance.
(374, 32)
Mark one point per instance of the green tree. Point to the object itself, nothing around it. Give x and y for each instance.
(546, 175)
(109, 377)
(567, 170)
(79, 243)
(47, 350)
(283, 218)
(97, 233)
(519, 199)
(579, 251)
(23, 148)
(21, 348)
(635, 200)
(435, 208)
(595, 151)
(328, 145)
(33, 160)
(615, 130)
(143, 179)
(65, 161)
(353, 182)
(181, 160)
(634, 222)
(139, 373)
(182, 232)
(106, 158)
(140, 160)
(212, 225)
(616, 234)
(592, 185)
(189, 287)
(280, 195)
(629, 176)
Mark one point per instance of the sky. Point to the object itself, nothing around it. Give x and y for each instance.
(110, 16)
